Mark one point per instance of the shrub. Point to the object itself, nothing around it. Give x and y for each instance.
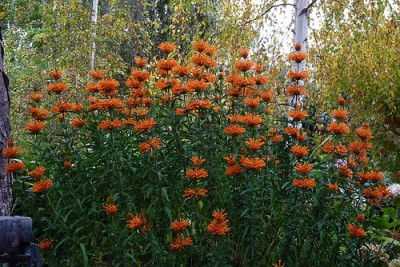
(189, 167)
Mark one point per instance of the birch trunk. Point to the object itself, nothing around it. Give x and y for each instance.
(94, 23)
(5, 130)
(300, 35)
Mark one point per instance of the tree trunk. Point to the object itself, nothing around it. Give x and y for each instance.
(300, 37)
(300, 32)
(5, 130)
(94, 23)
(301, 25)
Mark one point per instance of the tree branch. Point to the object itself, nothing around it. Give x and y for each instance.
(305, 10)
(265, 12)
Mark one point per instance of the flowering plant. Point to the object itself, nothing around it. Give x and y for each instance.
(189, 166)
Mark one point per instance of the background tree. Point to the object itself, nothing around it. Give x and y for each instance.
(356, 56)
(5, 178)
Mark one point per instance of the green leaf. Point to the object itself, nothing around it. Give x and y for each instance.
(85, 256)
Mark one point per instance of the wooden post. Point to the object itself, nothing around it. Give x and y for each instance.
(5, 131)
(94, 23)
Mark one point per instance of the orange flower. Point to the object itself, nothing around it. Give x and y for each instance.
(230, 160)
(360, 217)
(304, 184)
(340, 128)
(38, 172)
(11, 152)
(137, 221)
(360, 148)
(195, 192)
(15, 166)
(146, 227)
(141, 62)
(198, 173)
(292, 131)
(200, 46)
(295, 89)
(110, 208)
(304, 168)
(356, 231)
(56, 74)
(300, 151)
(267, 95)
(364, 133)
(42, 185)
(141, 112)
(36, 96)
(252, 102)
(62, 107)
(298, 75)
(244, 52)
(340, 114)
(234, 118)
(179, 225)
(77, 122)
(243, 65)
(297, 46)
(67, 164)
(181, 111)
(139, 75)
(333, 187)
(219, 225)
(180, 244)
(254, 144)
(197, 161)
(197, 85)
(97, 74)
(300, 137)
(297, 115)
(150, 145)
(297, 56)
(109, 125)
(57, 88)
(111, 103)
(208, 77)
(45, 244)
(279, 264)
(167, 48)
(276, 138)
(76, 107)
(145, 125)
(376, 176)
(260, 80)
(341, 150)
(181, 71)
(210, 50)
(233, 170)
(343, 170)
(234, 129)
(377, 192)
(252, 120)
(203, 60)
(167, 64)
(198, 104)
(133, 83)
(253, 163)
(107, 86)
(341, 101)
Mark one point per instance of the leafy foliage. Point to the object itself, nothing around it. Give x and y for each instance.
(192, 168)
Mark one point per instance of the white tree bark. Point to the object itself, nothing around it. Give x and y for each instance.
(300, 35)
(301, 25)
(94, 23)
